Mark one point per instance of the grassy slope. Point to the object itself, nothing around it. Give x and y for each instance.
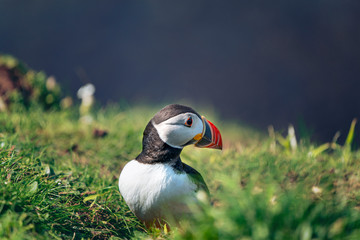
(58, 181)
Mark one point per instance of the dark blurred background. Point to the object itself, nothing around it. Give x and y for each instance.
(261, 62)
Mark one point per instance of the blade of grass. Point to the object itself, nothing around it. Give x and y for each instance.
(350, 136)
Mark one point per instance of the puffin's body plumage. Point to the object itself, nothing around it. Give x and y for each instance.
(156, 185)
(156, 190)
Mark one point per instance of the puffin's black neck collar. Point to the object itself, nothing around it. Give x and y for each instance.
(155, 150)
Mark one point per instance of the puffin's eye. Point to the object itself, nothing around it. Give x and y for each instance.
(189, 122)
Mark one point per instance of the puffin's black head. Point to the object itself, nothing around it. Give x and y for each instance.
(178, 126)
(174, 127)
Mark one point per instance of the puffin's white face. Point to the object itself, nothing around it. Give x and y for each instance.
(180, 130)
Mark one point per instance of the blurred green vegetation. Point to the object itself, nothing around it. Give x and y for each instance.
(21, 86)
(59, 179)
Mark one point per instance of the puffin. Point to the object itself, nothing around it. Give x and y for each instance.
(156, 185)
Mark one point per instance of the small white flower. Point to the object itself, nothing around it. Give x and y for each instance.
(316, 190)
(86, 91)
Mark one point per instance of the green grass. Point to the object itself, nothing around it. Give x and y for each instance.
(58, 181)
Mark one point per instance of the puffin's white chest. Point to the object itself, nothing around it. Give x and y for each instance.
(149, 189)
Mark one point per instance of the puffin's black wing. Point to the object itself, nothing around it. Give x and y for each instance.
(196, 177)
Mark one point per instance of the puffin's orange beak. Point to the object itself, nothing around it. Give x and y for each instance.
(210, 136)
